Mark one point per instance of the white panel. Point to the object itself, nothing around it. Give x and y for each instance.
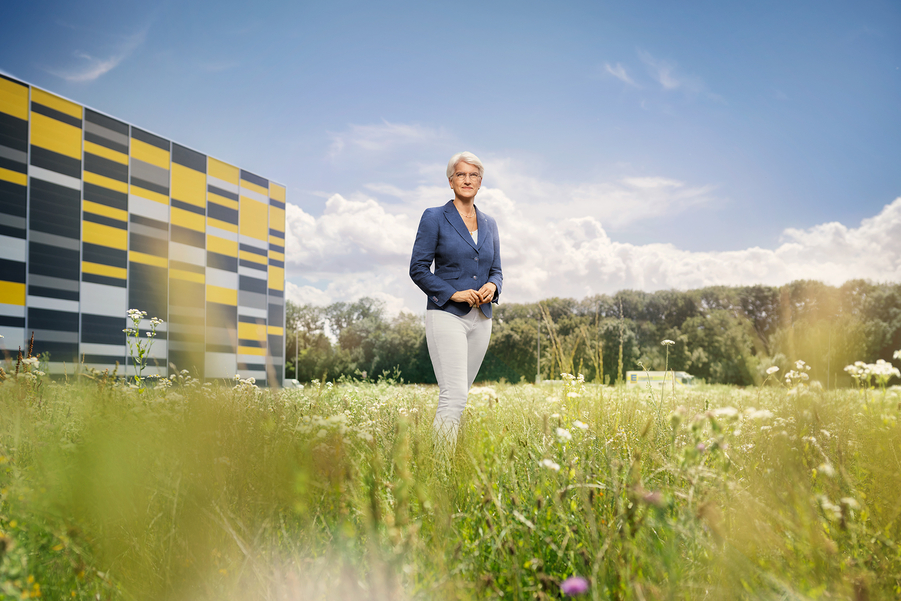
(57, 304)
(12, 311)
(248, 312)
(54, 177)
(254, 195)
(13, 340)
(223, 279)
(148, 208)
(253, 273)
(221, 233)
(261, 244)
(98, 299)
(221, 365)
(187, 253)
(222, 184)
(13, 249)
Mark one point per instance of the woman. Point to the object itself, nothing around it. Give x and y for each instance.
(463, 243)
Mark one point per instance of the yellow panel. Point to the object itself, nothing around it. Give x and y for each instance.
(277, 219)
(99, 209)
(253, 219)
(12, 293)
(276, 192)
(149, 154)
(106, 270)
(55, 102)
(276, 255)
(13, 176)
(105, 182)
(276, 278)
(221, 200)
(276, 240)
(223, 296)
(187, 219)
(223, 171)
(149, 194)
(253, 257)
(56, 136)
(251, 186)
(145, 259)
(104, 235)
(251, 350)
(276, 331)
(107, 153)
(222, 225)
(188, 276)
(251, 331)
(188, 185)
(14, 99)
(222, 246)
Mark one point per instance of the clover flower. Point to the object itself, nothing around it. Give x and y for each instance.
(897, 355)
(574, 585)
(550, 464)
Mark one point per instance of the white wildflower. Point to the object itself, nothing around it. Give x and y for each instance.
(826, 469)
(725, 412)
(850, 502)
(758, 414)
(667, 343)
(771, 370)
(549, 464)
(580, 425)
(564, 435)
(573, 394)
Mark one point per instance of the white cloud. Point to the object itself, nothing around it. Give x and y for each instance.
(665, 73)
(382, 137)
(619, 72)
(90, 67)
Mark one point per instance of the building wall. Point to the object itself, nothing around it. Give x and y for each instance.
(98, 217)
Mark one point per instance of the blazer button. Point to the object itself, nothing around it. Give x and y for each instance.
(476, 258)
(473, 277)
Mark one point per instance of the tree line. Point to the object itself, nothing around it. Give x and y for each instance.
(728, 335)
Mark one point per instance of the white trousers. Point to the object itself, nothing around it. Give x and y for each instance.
(457, 346)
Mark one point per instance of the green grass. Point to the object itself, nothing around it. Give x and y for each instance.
(336, 492)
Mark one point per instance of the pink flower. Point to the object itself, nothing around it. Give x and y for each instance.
(574, 585)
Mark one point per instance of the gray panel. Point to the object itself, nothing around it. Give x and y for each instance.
(12, 220)
(54, 336)
(106, 133)
(54, 240)
(150, 173)
(187, 312)
(151, 232)
(46, 281)
(13, 155)
(221, 336)
(251, 299)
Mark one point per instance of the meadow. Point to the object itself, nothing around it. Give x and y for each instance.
(182, 490)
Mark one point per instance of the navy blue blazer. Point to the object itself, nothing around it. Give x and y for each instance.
(460, 263)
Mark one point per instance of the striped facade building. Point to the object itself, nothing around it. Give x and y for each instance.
(98, 217)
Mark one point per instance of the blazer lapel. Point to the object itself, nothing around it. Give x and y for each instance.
(453, 216)
(483, 230)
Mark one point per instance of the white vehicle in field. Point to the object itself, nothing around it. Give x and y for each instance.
(658, 378)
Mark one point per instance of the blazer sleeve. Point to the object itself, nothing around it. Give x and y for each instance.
(439, 291)
(495, 273)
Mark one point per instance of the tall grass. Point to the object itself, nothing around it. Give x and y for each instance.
(334, 492)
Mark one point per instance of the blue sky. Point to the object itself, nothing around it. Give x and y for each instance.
(628, 145)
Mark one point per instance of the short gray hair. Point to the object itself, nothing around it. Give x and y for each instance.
(464, 157)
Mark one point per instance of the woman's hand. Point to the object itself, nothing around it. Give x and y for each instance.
(470, 297)
(486, 292)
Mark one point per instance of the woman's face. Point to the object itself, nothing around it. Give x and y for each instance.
(465, 182)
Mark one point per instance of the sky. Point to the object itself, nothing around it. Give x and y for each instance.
(627, 145)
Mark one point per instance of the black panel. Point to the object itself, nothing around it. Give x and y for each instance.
(106, 360)
(55, 209)
(276, 233)
(55, 114)
(222, 213)
(276, 346)
(185, 360)
(186, 236)
(252, 249)
(254, 320)
(148, 138)
(251, 343)
(54, 161)
(13, 132)
(48, 319)
(17, 166)
(105, 142)
(148, 245)
(225, 193)
(252, 265)
(12, 232)
(94, 253)
(221, 348)
(105, 167)
(107, 122)
(221, 315)
(276, 263)
(53, 261)
(276, 316)
(104, 220)
(189, 158)
(59, 351)
(276, 293)
(105, 196)
(185, 206)
(160, 225)
(276, 203)
(149, 186)
(222, 262)
(276, 248)
(101, 329)
(45, 292)
(251, 284)
(13, 199)
(148, 289)
(186, 294)
(254, 179)
(12, 271)
(252, 367)
(12, 322)
(102, 279)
